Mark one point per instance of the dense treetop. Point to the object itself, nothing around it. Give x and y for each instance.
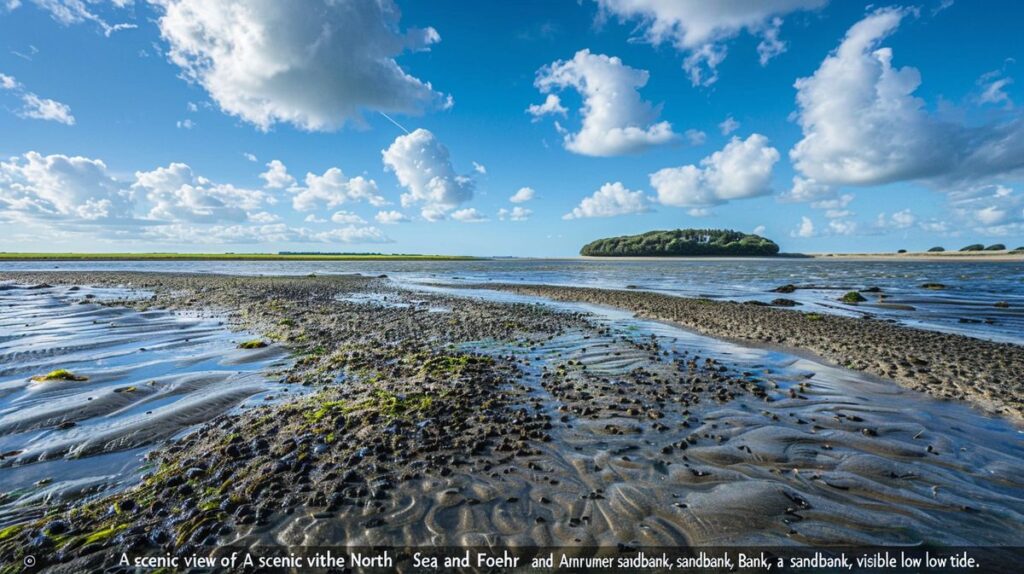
(682, 242)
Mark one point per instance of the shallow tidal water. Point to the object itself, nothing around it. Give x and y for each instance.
(152, 375)
(967, 305)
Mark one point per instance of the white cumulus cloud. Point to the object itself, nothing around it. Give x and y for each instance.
(178, 194)
(517, 213)
(611, 200)
(522, 195)
(347, 217)
(616, 120)
(805, 229)
(700, 28)
(46, 109)
(316, 64)
(69, 187)
(334, 188)
(742, 169)
(863, 125)
(391, 217)
(469, 215)
(277, 176)
(423, 167)
(552, 106)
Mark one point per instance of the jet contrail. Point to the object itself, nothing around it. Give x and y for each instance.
(390, 119)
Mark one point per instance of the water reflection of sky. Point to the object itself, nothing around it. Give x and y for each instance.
(967, 304)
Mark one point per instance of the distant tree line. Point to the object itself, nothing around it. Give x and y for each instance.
(682, 242)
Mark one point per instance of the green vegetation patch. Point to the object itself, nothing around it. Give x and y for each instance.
(683, 243)
(450, 366)
(254, 344)
(853, 297)
(60, 375)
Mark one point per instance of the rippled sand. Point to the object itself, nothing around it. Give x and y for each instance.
(150, 376)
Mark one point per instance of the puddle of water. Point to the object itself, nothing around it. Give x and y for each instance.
(152, 376)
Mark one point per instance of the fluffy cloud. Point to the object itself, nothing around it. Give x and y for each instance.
(994, 210)
(277, 176)
(805, 229)
(277, 232)
(168, 204)
(70, 187)
(35, 107)
(46, 109)
(423, 167)
(469, 215)
(728, 126)
(843, 227)
(347, 217)
(352, 234)
(552, 106)
(862, 124)
(315, 64)
(390, 217)
(177, 194)
(699, 28)
(902, 219)
(8, 82)
(332, 189)
(742, 169)
(523, 195)
(611, 200)
(517, 213)
(616, 120)
(695, 137)
(805, 189)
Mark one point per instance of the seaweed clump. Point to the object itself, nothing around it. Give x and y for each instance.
(60, 375)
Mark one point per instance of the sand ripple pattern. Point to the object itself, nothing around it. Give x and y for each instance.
(821, 455)
(152, 375)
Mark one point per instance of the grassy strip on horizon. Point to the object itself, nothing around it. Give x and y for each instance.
(225, 257)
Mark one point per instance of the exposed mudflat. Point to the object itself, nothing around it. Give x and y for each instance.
(446, 417)
(945, 365)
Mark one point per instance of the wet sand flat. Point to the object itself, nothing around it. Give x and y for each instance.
(946, 365)
(441, 417)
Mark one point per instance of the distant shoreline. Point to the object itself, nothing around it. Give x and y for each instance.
(225, 257)
(990, 256)
(961, 256)
(926, 256)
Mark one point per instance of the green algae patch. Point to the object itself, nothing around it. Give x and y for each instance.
(392, 405)
(104, 534)
(853, 297)
(254, 344)
(329, 407)
(449, 366)
(11, 531)
(60, 375)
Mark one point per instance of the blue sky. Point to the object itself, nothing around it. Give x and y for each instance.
(191, 126)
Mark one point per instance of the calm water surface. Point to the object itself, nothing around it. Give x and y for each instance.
(967, 304)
